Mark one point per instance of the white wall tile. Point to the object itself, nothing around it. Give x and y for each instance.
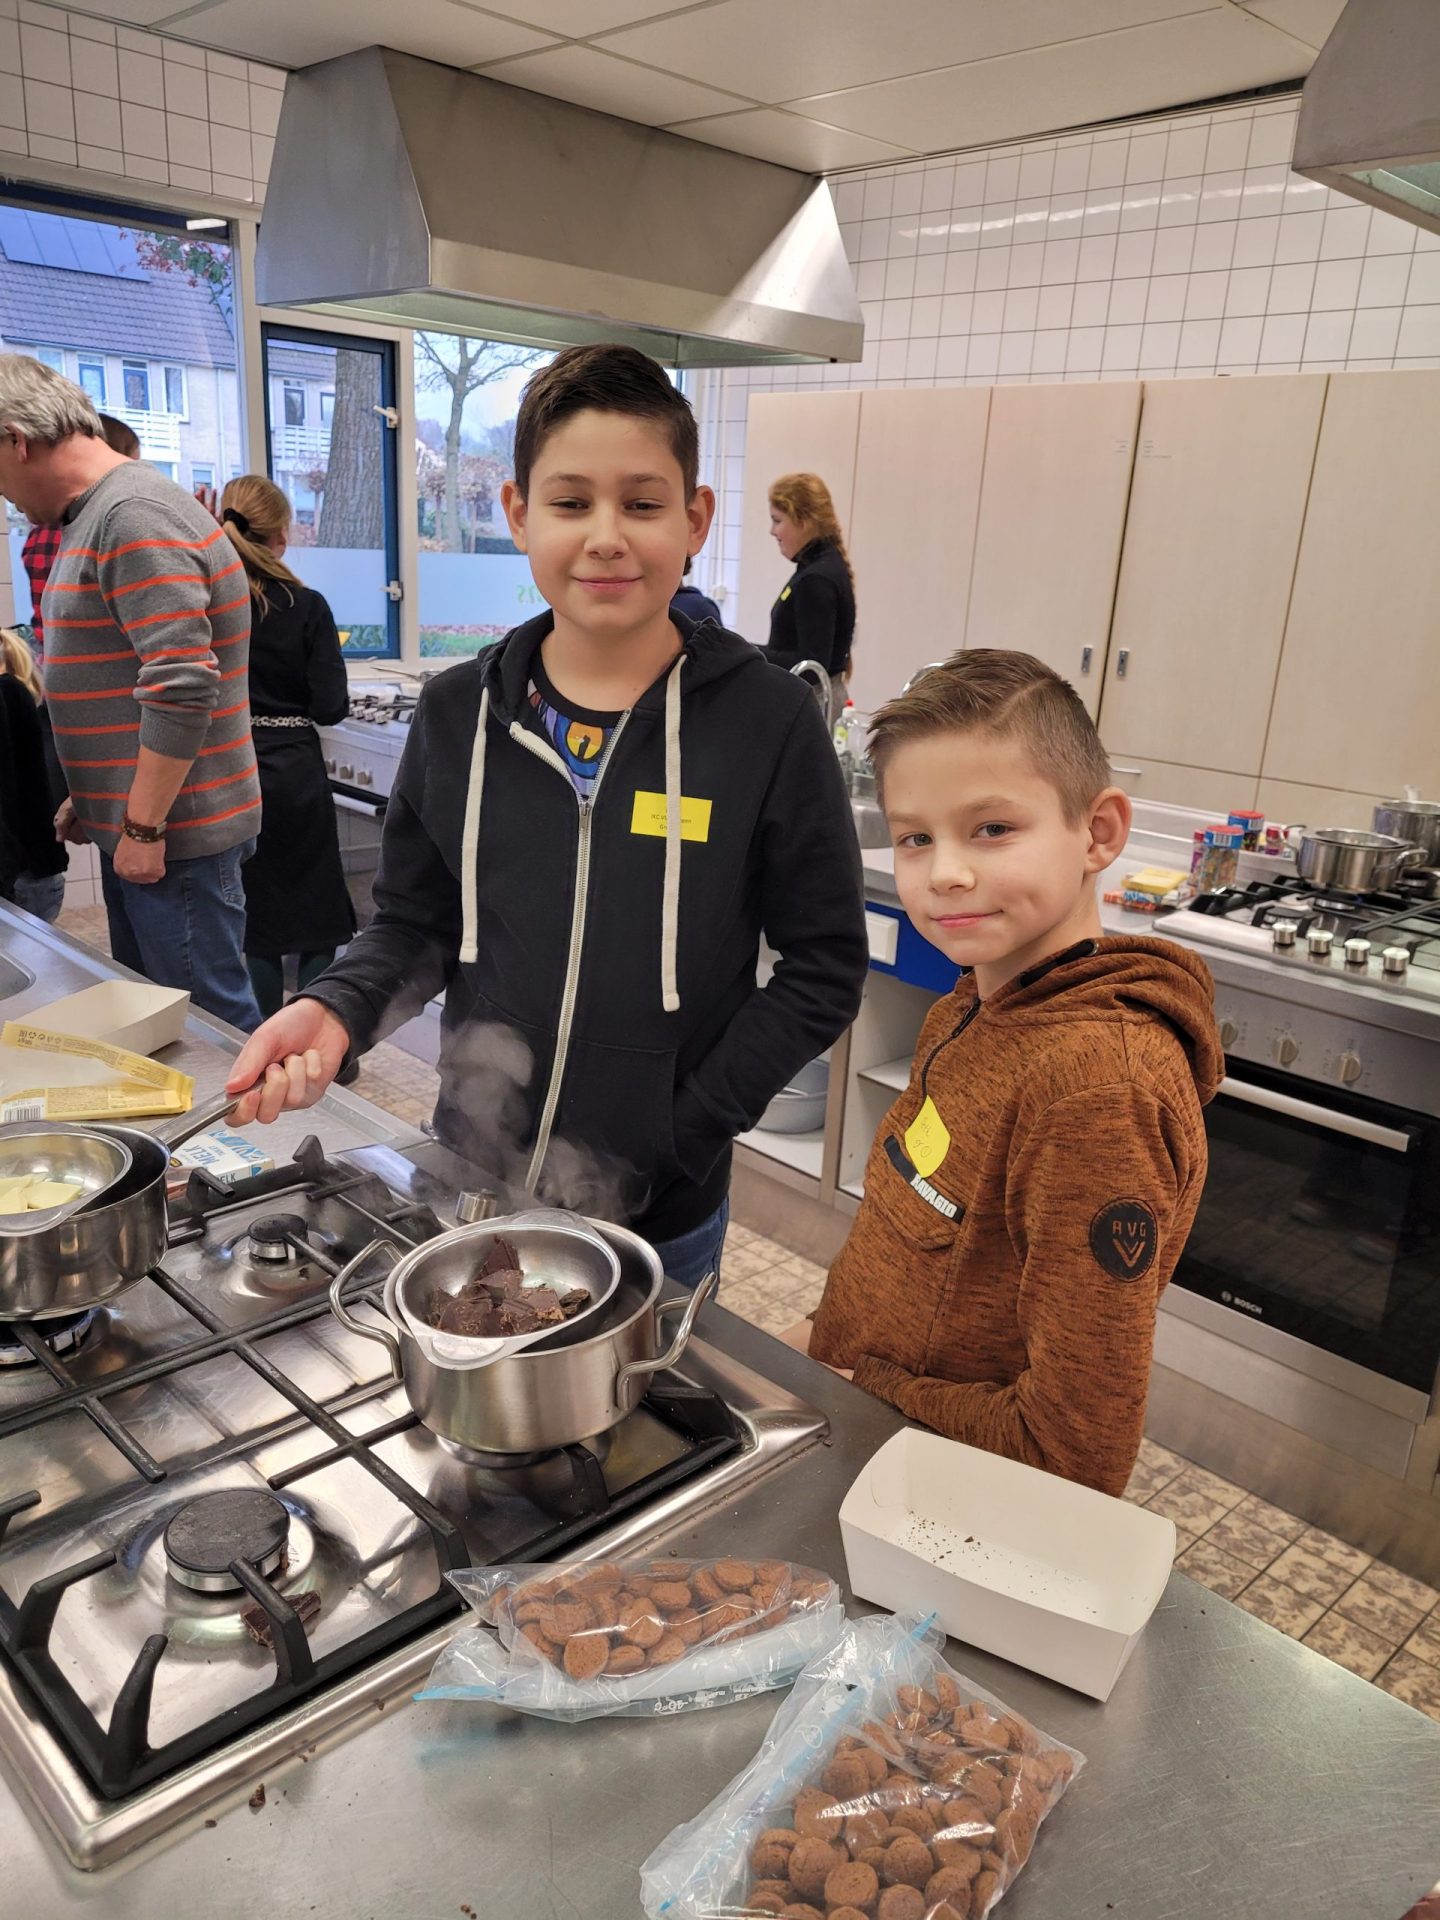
(49, 110)
(1389, 235)
(1327, 336)
(225, 63)
(144, 132)
(1091, 305)
(1185, 150)
(992, 268)
(1205, 299)
(1240, 341)
(1107, 162)
(12, 101)
(1337, 285)
(94, 68)
(906, 197)
(1174, 250)
(1087, 345)
(1255, 241)
(142, 79)
(1375, 333)
(62, 151)
(1180, 202)
(1299, 237)
(1272, 138)
(1290, 289)
(1134, 253)
(1346, 231)
(1199, 343)
(1097, 257)
(1127, 302)
(1167, 297)
(82, 27)
(9, 46)
(45, 55)
(1283, 339)
(178, 53)
(899, 279)
(97, 121)
(188, 141)
(1424, 287)
(1215, 244)
(1247, 291)
(1159, 347)
(1054, 307)
(1229, 145)
(1419, 332)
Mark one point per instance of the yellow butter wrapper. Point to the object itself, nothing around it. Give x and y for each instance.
(123, 1102)
(135, 1069)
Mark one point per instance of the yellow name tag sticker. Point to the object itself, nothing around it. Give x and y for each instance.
(785, 593)
(648, 816)
(926, 1140)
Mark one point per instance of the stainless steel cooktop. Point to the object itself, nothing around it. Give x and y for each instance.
(223, 1533)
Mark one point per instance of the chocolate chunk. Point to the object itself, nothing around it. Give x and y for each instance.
(257, 1622)
(257, 1798)
(502, 1258)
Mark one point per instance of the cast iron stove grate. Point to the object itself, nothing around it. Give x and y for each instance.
(118, 1758)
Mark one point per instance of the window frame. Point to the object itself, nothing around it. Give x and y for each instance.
(95, 363)
(177, 367)
(290, 390)
(128, 367)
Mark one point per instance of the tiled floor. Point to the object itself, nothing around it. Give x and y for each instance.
(1369, 1617)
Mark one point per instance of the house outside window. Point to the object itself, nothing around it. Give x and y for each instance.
(51, 357)
(136, 377)
(91, 376)
(201, 476)
(165, 467)
(327, 408)
(294, 393)
(175, 391)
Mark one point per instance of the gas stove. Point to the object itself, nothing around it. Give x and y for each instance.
(224, 1535)
(384, 708)
(1389, 938)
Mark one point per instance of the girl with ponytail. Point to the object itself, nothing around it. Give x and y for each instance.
(814, 617)
(296, 900)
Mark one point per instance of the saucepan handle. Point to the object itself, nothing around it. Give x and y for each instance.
(634, 1369)
(347, 1319)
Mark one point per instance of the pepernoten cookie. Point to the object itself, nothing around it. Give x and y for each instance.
(927, 1814)
(617, 1619)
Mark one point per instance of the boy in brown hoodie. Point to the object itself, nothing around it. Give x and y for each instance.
(1028, 1195)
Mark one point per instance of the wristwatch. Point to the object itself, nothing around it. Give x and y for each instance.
(148, 836)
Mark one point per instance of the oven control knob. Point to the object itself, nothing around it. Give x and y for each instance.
(1229, 1034)
(1395, 962)
(1348, 1068)
(330, 763)
(364, 778)
(1282, 935)
(347, 772)
(1320, 940)
(1357, 953)
(1287, 1047)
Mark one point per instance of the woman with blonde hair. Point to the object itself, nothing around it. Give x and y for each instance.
(296, 900)
(814, 617)
(32, 859)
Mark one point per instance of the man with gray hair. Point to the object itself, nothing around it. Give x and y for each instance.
(147, 621)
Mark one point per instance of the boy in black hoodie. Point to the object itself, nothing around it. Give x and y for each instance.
(593, 823)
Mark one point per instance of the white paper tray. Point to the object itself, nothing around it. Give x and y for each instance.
(1054, 1576)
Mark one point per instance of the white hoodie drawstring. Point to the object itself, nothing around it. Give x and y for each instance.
(670, 896)
(470, 839)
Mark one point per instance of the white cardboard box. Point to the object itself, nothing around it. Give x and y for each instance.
(133, 1014)
(1054, 1576)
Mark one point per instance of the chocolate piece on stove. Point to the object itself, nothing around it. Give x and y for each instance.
(256, 1621)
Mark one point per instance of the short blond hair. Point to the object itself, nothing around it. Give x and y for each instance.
(1013, 696)
(42, 405)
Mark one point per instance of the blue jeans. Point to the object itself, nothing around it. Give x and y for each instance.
(687, 1260)
(44, 897)
(187, 930)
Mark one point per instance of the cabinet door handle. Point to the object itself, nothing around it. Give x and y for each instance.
(1086, 655)
(1130, 773)
(1122, 664)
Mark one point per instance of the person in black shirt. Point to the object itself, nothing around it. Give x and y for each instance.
(689, 600)
(814, 617)
(296, 900)
(32, 860)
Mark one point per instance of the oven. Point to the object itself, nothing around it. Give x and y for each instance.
(1320, 1219)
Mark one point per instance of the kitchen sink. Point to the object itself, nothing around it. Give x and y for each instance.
(15, 979)
(870, 826)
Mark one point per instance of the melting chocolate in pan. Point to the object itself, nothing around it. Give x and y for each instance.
(495, 1302)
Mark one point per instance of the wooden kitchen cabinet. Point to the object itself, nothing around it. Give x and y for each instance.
(912, 530)
(788, 433)
(1357, 701)
(1217, 501)
(1052, 518)
(1175, 786)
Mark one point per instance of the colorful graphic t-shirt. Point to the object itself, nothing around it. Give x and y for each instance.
(579, 736)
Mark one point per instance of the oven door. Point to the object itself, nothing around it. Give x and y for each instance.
(1321, 1218)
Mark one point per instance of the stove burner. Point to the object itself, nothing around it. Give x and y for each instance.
(242, 1523)
(271, 1239)
(61, 1335)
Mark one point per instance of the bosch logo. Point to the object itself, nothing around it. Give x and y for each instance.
(1226, 1297)
(1245, 1306)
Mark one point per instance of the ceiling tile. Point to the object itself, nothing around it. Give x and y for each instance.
(297, 35)
(134, 13)
(1138, 71)
(1309, 21)
(594, 79)
(766, 134)
(771, 50)
(577, 19)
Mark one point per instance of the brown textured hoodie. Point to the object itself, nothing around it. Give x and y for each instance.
(1026, 1200)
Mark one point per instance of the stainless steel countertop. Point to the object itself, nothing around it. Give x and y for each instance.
(1233, 1771)
(59, 965)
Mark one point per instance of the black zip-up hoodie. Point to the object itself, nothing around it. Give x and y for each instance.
(669, 1047)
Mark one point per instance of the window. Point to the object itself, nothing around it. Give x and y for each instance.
(91, 370)
(339, 474)
(474, 585)
(147, 306)
(201, 476)
(165, 467)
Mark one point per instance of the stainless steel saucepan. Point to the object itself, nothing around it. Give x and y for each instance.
(1349, 860)
(552, 1394)
(1415, 821)
(91, 1255)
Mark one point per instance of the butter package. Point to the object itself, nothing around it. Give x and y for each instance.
(227, 1157)
(82, 1078)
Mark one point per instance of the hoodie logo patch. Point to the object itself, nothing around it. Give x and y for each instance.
(648, 816)
(1123, 1238)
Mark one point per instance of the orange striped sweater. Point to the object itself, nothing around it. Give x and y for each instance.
(147, 624)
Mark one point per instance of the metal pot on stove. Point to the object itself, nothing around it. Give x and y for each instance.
(1414, 821)
(551, 1395)
(1349, 860)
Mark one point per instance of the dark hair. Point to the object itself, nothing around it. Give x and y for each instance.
(1012, 695)
(609, 379)
(119, 437)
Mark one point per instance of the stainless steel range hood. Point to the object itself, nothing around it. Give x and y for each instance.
(1370, 111)
(405, 191)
